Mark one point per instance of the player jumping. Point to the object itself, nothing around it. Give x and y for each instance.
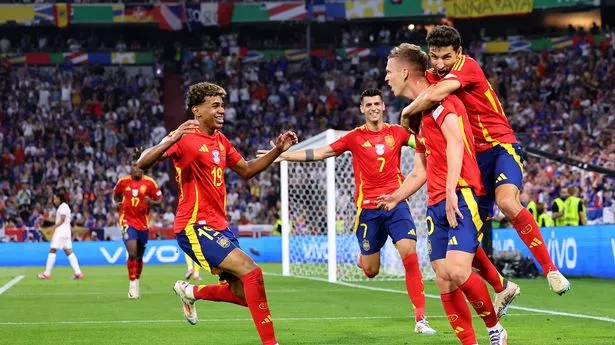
(61, 237)
(376, 151)
(445, 158)
(201, 153)
(499, 156)
(133, 195)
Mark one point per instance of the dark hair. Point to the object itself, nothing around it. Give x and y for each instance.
(444, 36)
(61, 194)
(412, 54)
(371, 93)
(197, 92)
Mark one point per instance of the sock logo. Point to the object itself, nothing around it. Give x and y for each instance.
(459, 329)
(528, 228)
(535, 243)
(478, 304)
(263, 305)
(484, 314)
(267, 320)
(452, 317)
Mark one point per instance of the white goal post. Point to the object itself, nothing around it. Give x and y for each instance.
(318, 211)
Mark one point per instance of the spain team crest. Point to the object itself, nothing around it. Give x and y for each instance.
(216, 156)
(380, 149)
(143, 189)
(223, 242)
(366, 245)
(389, 140)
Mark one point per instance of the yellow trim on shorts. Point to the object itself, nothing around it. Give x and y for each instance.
(470, 200)
(196, 247)
(511, 150)
(356, 219)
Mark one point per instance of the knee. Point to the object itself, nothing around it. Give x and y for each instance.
(52, 250)
(509, 205)
(458, 275)
(443, 283)
(371, 271)
(132, 256)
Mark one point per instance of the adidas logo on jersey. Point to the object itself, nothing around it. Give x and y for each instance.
(500, 178)
(367, 144)
(204, 148)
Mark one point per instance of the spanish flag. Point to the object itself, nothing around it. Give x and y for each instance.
(61, 15)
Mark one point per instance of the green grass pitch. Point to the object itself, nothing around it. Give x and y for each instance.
(96, 311)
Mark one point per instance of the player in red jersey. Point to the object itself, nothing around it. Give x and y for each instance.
(133, 195)
(499, 156)
(200, 153)
(446, 159)
(376, 151)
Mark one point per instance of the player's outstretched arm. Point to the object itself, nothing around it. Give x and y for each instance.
(413, 182)
(156, 153)
(308, 155)
(427, 99)
(248, 169)
(454, 160)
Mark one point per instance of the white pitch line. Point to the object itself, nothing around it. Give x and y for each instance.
(541, 311)
(97, 322)
(11, 283)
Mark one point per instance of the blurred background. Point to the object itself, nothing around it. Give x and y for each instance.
(83, 83)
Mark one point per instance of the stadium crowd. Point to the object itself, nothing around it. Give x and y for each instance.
(76, 127)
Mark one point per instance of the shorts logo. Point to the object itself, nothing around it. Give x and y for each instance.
(429, 246)
(216, 156)
(453, 317)
(527, 229)
(366, 245)
(477, 304)
(126, 235)
(389, 140)
(223, 242)
(380, 149)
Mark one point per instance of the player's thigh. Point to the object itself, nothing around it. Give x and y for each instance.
(205, 246)
(437, 231)
(401, 228)
(61, 241)
(131, 237)
(370, 232)
(467, 235)
(508, 165)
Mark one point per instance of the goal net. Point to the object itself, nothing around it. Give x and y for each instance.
(318, 214)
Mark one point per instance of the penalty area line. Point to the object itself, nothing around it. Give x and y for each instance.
(10, 284)
(535, 310)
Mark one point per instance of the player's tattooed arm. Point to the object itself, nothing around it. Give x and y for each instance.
(308, 155)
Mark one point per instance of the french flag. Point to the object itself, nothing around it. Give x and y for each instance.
(170, 17)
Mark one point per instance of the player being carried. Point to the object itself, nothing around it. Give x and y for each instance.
(376, 152)
(133, 195)
(445, 158)
(499, 156)
(200, 153)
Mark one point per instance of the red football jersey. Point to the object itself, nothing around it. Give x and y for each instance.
(134, 210)
(432, 143)
(489, 123)
(200, 160)
(375, 161)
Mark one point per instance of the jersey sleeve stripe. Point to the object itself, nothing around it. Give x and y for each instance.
(456, 64)
(460, 63)
(151, 180)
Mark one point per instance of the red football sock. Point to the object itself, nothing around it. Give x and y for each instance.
(367, 274)
(132, 268)
(139, 267)
(459, 316)
(530, 234)
(414, 285)
(487, 270)
(217, 293)
(478, 295)
(254, 289)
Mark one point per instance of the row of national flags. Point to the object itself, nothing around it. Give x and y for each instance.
(80, 58)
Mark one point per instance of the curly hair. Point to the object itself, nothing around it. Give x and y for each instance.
(197, 92)
(444, 36)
